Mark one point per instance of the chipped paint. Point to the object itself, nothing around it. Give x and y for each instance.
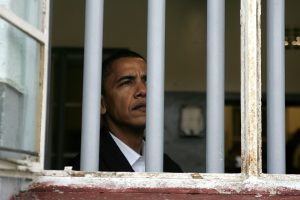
(251, 87)
(27, 168)
(251, 183)
(171, 183)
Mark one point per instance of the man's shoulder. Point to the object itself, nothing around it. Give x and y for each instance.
(170, 165)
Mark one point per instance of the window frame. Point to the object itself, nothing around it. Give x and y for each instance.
(33, 164)
(251, 180)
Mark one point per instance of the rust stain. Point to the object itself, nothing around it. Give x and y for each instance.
(196, 176)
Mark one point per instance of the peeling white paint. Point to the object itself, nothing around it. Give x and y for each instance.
(176, 182)
(251, 87)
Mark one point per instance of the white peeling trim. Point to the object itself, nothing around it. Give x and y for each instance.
(22, 25)
(19, 168)
(251, 87)
(44, 84)
(222, 183)
(11, 83)
(17, 174)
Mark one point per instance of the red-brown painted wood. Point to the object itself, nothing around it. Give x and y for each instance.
(52, 192)
(144, 196)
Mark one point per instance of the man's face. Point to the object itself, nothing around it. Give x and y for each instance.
(124, 99)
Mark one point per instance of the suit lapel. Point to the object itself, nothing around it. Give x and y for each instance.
(111, 157)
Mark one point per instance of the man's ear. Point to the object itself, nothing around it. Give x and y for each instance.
(103, 106)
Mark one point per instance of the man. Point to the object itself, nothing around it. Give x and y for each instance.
(123, 113)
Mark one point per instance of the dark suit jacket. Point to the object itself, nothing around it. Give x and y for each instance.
(112, 159)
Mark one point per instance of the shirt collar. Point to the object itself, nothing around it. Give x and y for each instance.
(128, 152)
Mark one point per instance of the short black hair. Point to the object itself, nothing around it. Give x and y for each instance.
(107, 63)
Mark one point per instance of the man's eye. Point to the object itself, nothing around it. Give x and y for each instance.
(127, 82)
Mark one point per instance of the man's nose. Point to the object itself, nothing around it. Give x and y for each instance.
(141, 89)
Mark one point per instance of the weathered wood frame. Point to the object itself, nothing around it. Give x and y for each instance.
(251, 180)
(251, 87)
(26, 168)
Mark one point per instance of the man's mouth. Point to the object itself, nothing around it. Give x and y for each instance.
(140, 106)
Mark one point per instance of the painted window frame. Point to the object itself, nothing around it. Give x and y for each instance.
(28, 168)
(251, 177)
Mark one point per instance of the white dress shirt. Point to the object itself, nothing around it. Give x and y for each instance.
(136, 160)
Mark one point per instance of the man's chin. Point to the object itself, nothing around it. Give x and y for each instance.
(138, 128)
(138, 122)
(141, 125)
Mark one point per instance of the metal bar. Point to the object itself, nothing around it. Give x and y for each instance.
(155, 85)
(275, 87)
(22, 25)
(90, 138)
(215, 86)
(251, 87)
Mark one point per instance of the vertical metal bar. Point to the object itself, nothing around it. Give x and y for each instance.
(251, 87)
(90, 140)
(275, 87)
(215, 86)
(155, 85)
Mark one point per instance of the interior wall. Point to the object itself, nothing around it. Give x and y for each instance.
(125, 25)
(292, 120)
(292, 22)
